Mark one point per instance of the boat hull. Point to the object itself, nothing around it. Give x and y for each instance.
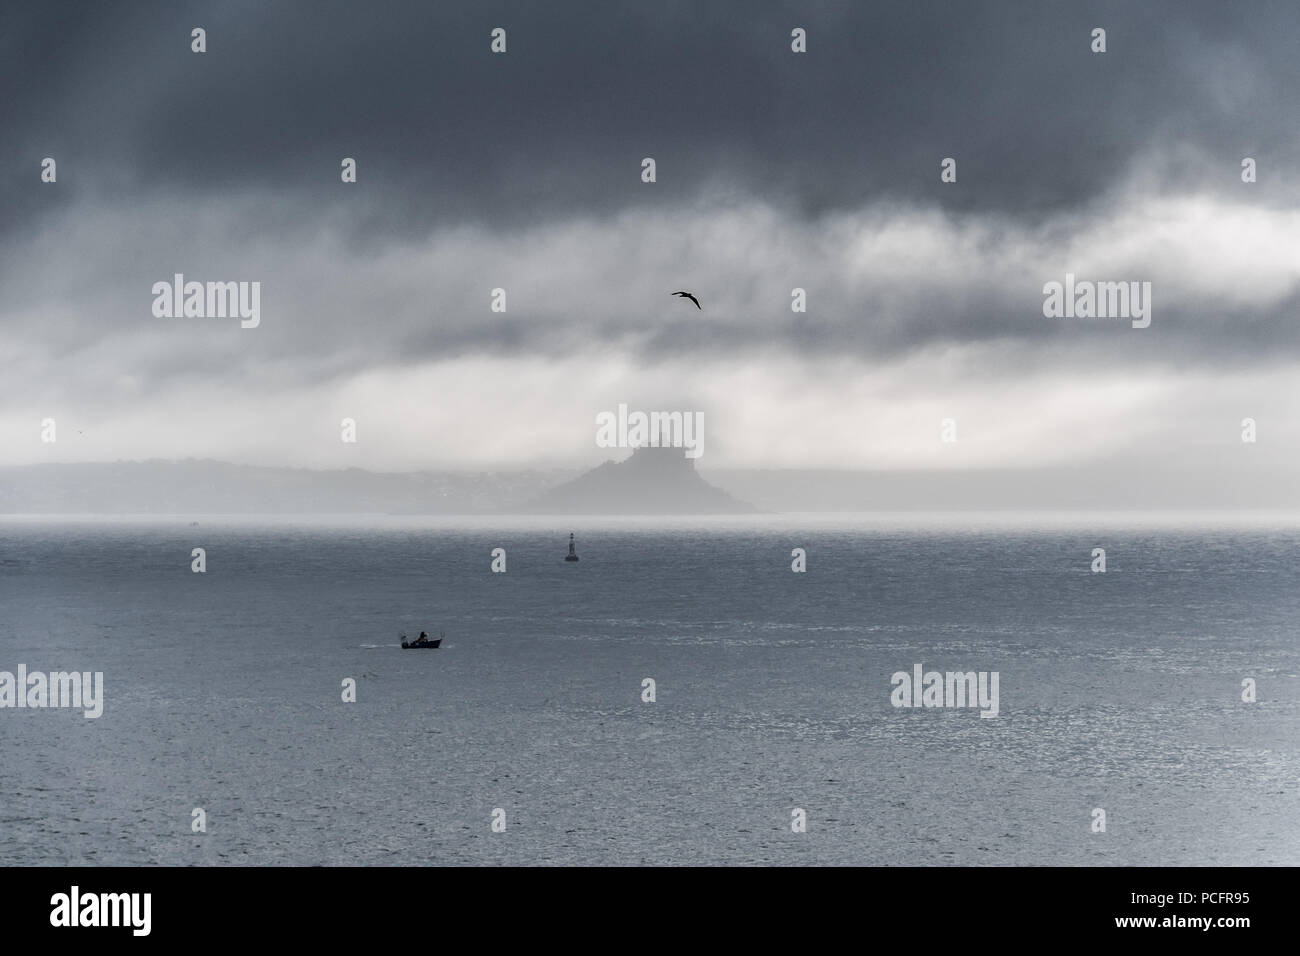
(430, 645)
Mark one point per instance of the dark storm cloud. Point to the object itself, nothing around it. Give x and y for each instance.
(444, 131)
(775, 170)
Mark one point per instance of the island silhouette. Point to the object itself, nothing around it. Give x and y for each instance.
(655, 480)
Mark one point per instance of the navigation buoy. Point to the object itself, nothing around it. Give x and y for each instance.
(573, 553)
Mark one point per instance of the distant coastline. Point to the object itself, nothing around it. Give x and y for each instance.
(653, 486)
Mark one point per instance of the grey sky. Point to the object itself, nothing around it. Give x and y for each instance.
(775, 170)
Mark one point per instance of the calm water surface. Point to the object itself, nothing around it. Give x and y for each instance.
(223, 691)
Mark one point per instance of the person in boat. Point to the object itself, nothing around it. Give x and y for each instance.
(423, 638)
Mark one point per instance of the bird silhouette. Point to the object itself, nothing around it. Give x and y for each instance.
(687, 295)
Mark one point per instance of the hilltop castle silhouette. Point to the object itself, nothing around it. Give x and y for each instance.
(655, 480)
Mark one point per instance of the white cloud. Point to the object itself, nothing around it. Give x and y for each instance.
(915, 315)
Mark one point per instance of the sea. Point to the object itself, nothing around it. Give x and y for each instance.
(679, 695)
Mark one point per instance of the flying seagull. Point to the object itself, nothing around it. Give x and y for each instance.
(687, 295)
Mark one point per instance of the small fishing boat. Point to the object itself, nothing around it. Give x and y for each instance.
(421, 642)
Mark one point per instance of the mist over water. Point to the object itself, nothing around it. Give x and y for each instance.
(1119, 690)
